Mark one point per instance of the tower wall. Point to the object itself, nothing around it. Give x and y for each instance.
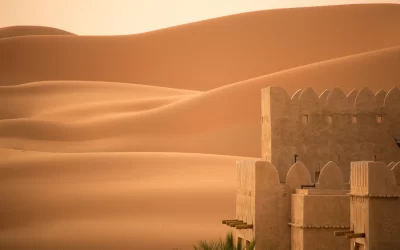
(375, 202)
(329, 127)
(282, 213)
(317, 212)
(262, 201)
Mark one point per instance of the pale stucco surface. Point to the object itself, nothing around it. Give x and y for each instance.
(330, 127)
(328, 133)
(375, 205)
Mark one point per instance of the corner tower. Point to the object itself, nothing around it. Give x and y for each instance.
(329, 127)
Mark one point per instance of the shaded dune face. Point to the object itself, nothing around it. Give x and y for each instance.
(206, 54)
(135, 118)
(130, 142)
(26, 30)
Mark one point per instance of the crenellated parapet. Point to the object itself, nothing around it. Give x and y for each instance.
(318, 209)
(259, 176)
(271, 206)
(332, 126)
(331, 177)
(258, 186)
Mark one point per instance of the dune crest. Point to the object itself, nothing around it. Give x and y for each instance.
(206, 54)
(97, 98)
(29, 30)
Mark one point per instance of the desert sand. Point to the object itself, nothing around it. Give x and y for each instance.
(113, 200)
(28, 30)
(130, 142)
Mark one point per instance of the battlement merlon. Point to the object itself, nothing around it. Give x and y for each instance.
(330, 127)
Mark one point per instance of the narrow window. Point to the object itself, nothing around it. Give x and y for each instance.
(354, 119)
(305, 119)
(329, 119)
(379, 119)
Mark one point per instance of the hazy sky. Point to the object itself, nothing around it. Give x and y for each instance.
(114, 17)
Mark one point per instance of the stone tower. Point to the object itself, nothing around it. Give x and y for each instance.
(329, 127)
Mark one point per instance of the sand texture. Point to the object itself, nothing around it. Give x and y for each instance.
(26, 30)
(130, 142)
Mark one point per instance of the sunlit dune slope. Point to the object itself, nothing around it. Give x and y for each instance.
(75, 100)
(206, 54)
(225, 120)
(28, 30)
(113, 200)
(86, 112)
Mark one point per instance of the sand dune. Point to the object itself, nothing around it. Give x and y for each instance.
(129, 198)
(206, 54)
(79, 98)
(86, 112)
(27, 30)
(220, 121)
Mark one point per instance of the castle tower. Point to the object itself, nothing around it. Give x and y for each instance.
(329, 127)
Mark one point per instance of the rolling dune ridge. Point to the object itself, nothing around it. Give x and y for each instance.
(218, 121)
(206, 54)
(28, 30)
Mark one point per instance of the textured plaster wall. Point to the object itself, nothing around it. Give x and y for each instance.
(297, 238)
(384, 230)
(326, 210)
(316, 213)
(272, 209)
(375, 205)
(323, 239)
(245, 196)
(324, 214)
(269, 205)
(264, 202)
(330, 127)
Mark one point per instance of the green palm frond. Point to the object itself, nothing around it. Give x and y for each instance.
(228, 244)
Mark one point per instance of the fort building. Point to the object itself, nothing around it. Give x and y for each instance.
(374, 207)
(300, 192)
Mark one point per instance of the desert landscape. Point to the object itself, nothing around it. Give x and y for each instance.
(130, 142)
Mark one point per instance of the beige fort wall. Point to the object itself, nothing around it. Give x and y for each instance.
(330, 127)
(318, 212)
(264, 203)
(375, 204)
(282, 214)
